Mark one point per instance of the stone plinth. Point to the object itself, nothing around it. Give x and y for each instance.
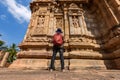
(30, 64)
(76, 64)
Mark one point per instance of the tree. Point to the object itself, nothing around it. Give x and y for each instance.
(13, 51)
(2, 45)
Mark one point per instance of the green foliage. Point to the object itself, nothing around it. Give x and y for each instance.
(2, 45)
(13, 51)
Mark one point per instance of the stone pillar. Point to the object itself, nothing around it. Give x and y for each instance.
(85, 32)
(47, 21)
(51, 24)
(4, 60)
(66, 24)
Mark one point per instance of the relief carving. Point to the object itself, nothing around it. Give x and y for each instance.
(59, 23)
(54, 24)
(40, 25)
(75, 24)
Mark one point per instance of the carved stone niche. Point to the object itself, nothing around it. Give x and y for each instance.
(76, 20)
(56, 21)
(39, 29)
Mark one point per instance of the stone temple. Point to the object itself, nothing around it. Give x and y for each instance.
(91, 30)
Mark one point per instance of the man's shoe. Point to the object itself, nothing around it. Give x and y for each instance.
(63, 70)
(51, 70)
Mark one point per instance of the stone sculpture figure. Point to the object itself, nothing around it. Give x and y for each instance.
(40, 26)
(75, 25)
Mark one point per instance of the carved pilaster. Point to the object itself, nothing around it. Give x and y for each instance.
(66, 24)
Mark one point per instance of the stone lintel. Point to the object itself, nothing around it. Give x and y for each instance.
(40, 55)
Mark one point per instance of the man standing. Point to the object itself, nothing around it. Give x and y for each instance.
(57, 47)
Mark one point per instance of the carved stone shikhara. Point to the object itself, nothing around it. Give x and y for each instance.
(91, 41)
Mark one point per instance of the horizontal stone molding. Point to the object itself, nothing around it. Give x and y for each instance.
(40, 55)
(91, 55)
(33, 54)
(33, 44)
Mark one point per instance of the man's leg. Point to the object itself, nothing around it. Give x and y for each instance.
(61, 58)
(53, 58)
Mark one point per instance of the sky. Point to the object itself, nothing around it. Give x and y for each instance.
(14, 19)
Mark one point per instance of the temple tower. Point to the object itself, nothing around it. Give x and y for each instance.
(91, 30)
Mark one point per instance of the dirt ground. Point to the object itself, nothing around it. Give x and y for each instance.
(26, 74)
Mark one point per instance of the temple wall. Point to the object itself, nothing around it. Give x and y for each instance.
(111, 39)
(90, 35)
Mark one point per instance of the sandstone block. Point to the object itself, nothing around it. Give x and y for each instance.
(90, 55)
(30, 64)
(76, 64)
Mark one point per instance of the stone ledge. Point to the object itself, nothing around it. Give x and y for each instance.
(33, 54)
(90, 55)
(40, 55)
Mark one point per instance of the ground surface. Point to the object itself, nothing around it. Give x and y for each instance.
(15, 74)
